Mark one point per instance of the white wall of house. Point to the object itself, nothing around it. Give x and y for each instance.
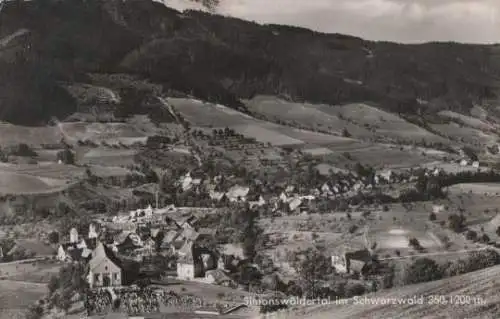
(105, 269)
(185, 271)
(61, 253)
(339, 263)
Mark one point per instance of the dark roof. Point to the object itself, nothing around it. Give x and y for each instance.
(90, 242)
(356, 265)
(75, 254)
(360, 255)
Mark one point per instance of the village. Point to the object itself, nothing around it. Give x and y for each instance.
(135, 261)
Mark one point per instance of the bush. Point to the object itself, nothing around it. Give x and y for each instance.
(352, 229)
(423, 270)
(34, 312)
(485, 239)
(413, 242)
(66, 156)
(345, 133)
(54, 237)
(53, 284)
(432, 217)
(23, 150)
(272, 306)
(355, 289)
(471, 235)
(456, 222)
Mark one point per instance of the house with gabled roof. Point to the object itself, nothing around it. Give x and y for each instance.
(238, 193)
(127, 242)
(189, 262)
(104, 268)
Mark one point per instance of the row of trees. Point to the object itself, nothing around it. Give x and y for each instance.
(426, 269)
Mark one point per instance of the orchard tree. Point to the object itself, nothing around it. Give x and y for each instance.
(423, 270)
(313, 268)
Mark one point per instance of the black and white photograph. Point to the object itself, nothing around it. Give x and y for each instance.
(249, 159)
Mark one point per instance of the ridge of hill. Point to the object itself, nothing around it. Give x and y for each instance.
(225, 60)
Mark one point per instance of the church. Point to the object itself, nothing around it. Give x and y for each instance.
(104, 268)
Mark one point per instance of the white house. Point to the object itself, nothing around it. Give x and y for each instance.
(387, 175)
(436, 209)
(294, 204)
(104, 268)
(73, 235)
(188, 266)
(237, 193)
(92, 232)
(339, 263)
(148, 212)
(283, 198)
(475, 164)
(325, 189)
(187, 182)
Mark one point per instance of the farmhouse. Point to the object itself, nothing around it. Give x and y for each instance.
(436, 209)
(354, 262)
(69, 252)
(294, 205)
(77, 248)
(237, 193)
(127, 242)
(104, 268)
(218, 277)
(189, 263)
(73, 235)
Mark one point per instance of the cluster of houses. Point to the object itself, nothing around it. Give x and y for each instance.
(107, 254)
(465, 162)
(289, 199)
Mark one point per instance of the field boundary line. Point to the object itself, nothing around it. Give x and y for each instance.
(437, 253)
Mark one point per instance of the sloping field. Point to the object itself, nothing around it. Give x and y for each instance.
(55, 175)
(384, 123)
(45, 170)
(476, 188)
(209, 115)
(467, 134)
(14, 134)
(398, 238)
(17, 184)
(218, 116)
(265, 135)
(309, 115)
(108, 157)
(453, 167)
(89, 94)
(311, 137)
(480, 288)
(467, 120)
(16, 297)
(101, 132)
(72, 132)
(377, 155)
(317, 151)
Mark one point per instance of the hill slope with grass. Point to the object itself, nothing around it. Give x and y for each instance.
(482, 285)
